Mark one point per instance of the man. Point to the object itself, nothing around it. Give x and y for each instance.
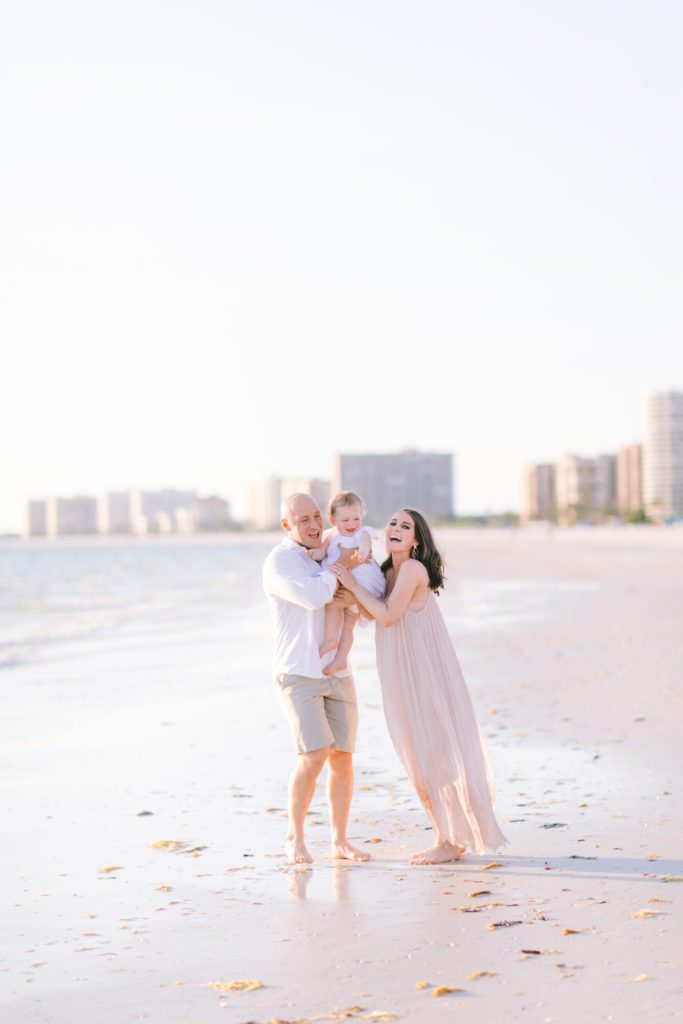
(322, 710)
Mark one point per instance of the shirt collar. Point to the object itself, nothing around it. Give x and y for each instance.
(288, 543)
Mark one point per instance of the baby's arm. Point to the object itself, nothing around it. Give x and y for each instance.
(365, 546)
(318, 554)
(361, 554)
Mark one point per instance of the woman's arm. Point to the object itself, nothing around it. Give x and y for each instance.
(410, 577)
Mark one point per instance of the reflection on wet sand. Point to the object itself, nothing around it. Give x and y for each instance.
(297, 881)
(299, 877)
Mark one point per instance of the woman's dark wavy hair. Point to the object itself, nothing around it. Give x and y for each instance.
(426, 552)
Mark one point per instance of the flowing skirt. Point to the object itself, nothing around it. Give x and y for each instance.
(433, 728)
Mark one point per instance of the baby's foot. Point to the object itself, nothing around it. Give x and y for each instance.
(335, 666)
(439, 854)
(326, 647)
(296, 852)
(344, 851)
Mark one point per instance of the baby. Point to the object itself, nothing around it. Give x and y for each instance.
(346, 515)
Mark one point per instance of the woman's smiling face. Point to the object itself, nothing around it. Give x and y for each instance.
(400, 533)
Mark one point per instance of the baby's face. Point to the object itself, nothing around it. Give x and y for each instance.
(348, 520)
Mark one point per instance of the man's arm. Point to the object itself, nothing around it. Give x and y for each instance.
(284, 578)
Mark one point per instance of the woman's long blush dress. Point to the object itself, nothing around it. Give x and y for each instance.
(433, 728)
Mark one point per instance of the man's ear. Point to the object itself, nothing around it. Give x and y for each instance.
(285, 525)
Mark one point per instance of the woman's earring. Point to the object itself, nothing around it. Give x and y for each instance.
(413, 551)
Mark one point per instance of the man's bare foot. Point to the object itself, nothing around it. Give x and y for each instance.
(334, 667)
(327, 646)
(344, 851)
(296, 852)
(439, 854)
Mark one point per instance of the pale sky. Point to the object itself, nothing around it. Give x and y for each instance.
(240, 236)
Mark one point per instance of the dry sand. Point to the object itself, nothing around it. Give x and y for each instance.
(579, 689)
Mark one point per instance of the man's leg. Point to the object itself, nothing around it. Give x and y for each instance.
(301, 789)
(339, 793)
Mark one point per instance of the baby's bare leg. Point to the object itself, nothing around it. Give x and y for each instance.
(333, 621)
(345, 643)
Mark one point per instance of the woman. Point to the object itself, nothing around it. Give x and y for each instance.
(426, 702)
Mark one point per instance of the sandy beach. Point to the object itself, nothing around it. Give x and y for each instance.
(144, 766)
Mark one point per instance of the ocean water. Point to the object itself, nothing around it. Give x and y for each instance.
(67, 601)
(61, 600)
(66, 604)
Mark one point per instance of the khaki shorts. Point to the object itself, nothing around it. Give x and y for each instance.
(321, 712)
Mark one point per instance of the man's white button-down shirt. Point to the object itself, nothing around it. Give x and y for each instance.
(297, 591)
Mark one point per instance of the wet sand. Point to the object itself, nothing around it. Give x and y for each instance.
(579, 689)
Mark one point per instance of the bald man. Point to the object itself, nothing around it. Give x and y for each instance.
(322, 711)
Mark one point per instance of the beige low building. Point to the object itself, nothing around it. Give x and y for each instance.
(320, 490)
(264, 499)
(585, 487)
(113, 512)
(630, 479)
(35, 521)
(71, 517)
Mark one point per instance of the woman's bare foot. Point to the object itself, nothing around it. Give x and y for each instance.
(327, 646)
(335, 666)
(439, 854)
(296, 852)
(344, 851)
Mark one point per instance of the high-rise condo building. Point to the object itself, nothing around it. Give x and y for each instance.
(663, 455)
(630, 479)
(35, 523)
(539, 499)
(390, 481)
(71, 516)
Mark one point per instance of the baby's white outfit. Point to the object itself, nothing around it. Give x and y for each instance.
(369, 574)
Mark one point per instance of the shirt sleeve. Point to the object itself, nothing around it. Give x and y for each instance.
(312, 592)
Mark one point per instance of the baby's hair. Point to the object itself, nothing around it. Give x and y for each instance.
(345, 499)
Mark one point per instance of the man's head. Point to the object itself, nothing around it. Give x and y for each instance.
(302, 520)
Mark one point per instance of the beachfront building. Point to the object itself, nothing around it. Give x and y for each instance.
(663, 455)
(157, 511)
(210, 514)
(113, 512)
(389, 481)
(320, 490)
(585, 487)
(604, 484)
(35, 521)
(630, 479)
(539, 497)
(68, 517)
(264, 499)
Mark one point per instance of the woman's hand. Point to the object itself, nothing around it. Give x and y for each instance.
(344, 575)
